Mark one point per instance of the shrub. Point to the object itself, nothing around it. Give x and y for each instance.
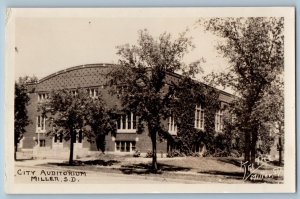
(220, 153)
(235, 154)
(175, 153)
(137, 154)
(195, 155)
(207, 154)
(149, 154)
(169, 154)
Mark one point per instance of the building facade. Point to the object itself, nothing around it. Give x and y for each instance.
(93, 78)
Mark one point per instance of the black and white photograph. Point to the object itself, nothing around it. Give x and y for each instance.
(122, 100)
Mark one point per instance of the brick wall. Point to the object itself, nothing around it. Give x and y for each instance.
(28, 142)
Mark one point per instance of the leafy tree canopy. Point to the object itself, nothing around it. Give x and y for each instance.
(254, 48)
(21, 114)
(143, 74)
(70, 111)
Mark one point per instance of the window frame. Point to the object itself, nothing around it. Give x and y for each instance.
(58, 138)
(124, 128)
(93, 92)
(172, 127)
(42, 97)
(199, 122)
(42, 141)
(219, 121)
(121, 146)
(40, 124)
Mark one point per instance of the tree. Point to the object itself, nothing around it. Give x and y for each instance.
(75, 111)
(21, 117)
(254, 49)
(21, 102)
(65, 110)
(271, 110)
(142, 73)
(101, 120)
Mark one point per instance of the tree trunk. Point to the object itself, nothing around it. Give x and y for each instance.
(247, 147)
(253, 147)
(154, 155)
(253, 154)
(246, 163)
(71, 148)
(280, 151)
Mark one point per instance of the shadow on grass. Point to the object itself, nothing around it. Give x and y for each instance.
(143, 168)
(277, 163)
(234, 175)
(233, 161)
(23, 159)
(87, 163)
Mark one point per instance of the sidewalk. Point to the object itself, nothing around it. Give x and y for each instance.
(183, 169)
(188, 177)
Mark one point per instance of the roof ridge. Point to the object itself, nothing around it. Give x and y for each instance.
(75, 68)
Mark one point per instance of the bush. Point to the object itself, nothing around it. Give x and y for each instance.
(169, 154)
(195, 155)
(220, 153)
(235, 154)
(149, 154)
(175, 153)
(207, 154)
(137, 154)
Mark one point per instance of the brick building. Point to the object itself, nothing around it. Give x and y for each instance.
(93, 78)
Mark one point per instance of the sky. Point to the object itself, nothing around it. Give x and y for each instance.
(45, 45)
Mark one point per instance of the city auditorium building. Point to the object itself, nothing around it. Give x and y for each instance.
(93, 78)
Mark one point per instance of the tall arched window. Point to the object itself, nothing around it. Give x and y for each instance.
(172, 127)
(219, 121)
(127, 123)
(199, 117)
(40, 124)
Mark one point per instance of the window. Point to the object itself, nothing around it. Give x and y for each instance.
(117, 146)
(219, 121)
(92, 92)
(125, 146)
(127, 123)
(57, 141)
(42, 143)
(172, 126)
(58, 138)
(78, 137)
(42, 97)
(199, 117)
(41, 123)
(133, 148)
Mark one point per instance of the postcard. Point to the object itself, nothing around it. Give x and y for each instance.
(150, 100)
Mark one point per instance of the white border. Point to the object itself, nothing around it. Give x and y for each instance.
(289, 171)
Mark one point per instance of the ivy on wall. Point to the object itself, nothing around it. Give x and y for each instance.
(188, 94)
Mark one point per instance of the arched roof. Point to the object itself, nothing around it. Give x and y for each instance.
(93, 75)
(76, 68)
(87, 75)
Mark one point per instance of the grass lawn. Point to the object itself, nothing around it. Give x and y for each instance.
(202, 169)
